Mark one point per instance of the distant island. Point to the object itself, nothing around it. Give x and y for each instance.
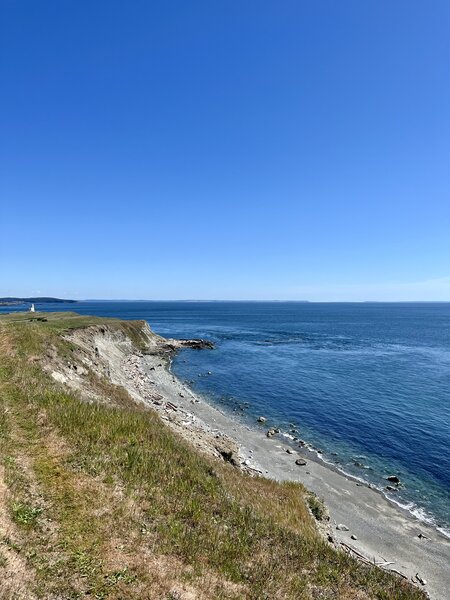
(15, 301)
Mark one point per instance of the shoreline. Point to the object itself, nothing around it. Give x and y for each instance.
(308, 451)
(371, 527)
(386, 534)
(409, 512)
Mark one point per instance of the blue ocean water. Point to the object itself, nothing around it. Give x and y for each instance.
(368, 384)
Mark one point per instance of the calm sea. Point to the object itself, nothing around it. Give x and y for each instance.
(367, 384)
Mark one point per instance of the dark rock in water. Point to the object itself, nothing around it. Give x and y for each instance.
(389, 488)
(270, 433)
(276, 430)
(262, 419)
(393, 478)
(289, 451)
(301, 443)
(301, 462)
(196, 344)
(353, 537)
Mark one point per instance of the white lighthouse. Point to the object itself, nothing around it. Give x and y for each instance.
(32, 309)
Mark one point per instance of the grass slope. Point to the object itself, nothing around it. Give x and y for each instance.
(105, 502)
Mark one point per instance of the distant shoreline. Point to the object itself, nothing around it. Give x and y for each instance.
(13, 301)
(273, 301)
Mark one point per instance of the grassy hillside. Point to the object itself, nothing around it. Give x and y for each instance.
(103, 501)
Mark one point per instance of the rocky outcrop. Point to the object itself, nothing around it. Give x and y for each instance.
(228, 450)
(393, 479)
(171, 345)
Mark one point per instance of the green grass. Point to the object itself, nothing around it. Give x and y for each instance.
(46, 324)
(107, 502)
(25, 514)
(317, 507)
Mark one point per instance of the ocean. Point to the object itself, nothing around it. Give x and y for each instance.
(367, 385)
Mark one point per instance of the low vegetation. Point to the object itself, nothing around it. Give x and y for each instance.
(317, 507)
(103, 501)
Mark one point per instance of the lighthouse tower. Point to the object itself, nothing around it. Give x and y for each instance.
(32, 309)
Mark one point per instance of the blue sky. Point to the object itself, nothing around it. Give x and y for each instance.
(235, 150)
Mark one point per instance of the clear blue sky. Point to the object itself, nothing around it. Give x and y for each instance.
(225, 149)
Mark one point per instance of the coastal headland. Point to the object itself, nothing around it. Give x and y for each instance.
(113, 470)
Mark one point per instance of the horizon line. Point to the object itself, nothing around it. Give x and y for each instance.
(267, 300)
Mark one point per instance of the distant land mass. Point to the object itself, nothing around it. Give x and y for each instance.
(14, 301)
